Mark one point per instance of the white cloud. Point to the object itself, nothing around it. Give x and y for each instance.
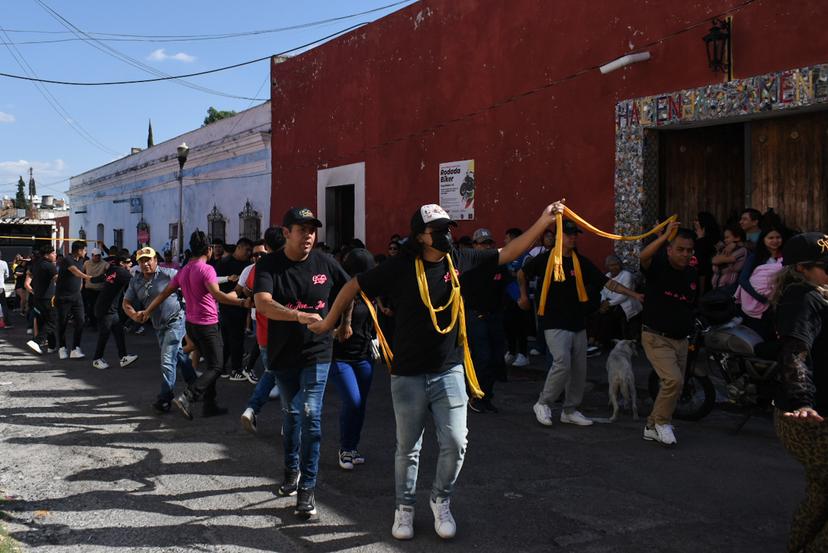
(161, 55)
(43, 170)
(6, 117)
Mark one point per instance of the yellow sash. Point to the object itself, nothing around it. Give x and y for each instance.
(554, 267)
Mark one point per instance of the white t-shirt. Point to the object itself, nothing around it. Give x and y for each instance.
(243, 283)
(631, 307)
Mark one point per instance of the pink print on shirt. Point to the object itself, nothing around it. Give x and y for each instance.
(320, 305)
(320, 279)
(447, 276)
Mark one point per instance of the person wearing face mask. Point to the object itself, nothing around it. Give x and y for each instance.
(428, 366)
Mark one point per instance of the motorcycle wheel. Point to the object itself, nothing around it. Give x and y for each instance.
(697, 398)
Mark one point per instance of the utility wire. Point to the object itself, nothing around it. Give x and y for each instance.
(53, 101)
(187, 75)
(108, 50)
(123, 37)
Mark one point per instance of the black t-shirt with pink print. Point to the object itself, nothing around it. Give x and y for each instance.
(418, 348)
(311, 286)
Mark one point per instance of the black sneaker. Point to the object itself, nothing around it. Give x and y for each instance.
(305, 503)
(290, 485)
(250, 376)
(213, 410)
(184, 404)
(161, 406)
(476, 405)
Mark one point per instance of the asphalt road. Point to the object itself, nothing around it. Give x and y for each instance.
(85, 466)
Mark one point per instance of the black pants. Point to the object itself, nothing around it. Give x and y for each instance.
(4, 305)
(66, 306)
(515, 323)
(45, 316)
(110, 323)
(90, 296)
(207, 338)
(233, 320)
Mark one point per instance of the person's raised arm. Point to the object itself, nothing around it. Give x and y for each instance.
(645, 257)
(344, 299)
(522, 243)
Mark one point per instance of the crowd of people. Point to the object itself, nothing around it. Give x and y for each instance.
(448, 316)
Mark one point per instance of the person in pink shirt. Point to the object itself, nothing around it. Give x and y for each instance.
(199, 284)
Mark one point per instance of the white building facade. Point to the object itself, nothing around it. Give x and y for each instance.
(226, 188)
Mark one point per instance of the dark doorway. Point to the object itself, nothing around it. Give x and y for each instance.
(339, 215)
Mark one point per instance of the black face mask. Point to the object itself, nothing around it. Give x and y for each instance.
(441, 240)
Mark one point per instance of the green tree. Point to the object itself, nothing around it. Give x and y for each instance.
(20, 200)
(214, 115)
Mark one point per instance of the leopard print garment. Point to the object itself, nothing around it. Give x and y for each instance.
(808, 443)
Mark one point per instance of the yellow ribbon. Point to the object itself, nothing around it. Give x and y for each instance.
(554, 267)
(458, 314)
(385, 349)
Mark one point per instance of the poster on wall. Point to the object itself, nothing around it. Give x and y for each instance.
(457, 189)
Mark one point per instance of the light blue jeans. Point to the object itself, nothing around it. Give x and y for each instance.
(443, 395)
(302, 392)
(172, 357)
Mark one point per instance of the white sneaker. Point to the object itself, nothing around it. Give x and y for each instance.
(63, 353)
(100, 364)
(520, 361)
(34, 346)
(534, 352)
(661, 433)
(444, 523)
(248, 420)
(575, 417)
(403, 528)
(508, 358)
(128, 360)
(76, 354)
(543, 413)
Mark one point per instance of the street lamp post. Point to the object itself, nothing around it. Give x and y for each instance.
(183, 150)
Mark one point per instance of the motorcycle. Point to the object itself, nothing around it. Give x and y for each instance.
(738, 356)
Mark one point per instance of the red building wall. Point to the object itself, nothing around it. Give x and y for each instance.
(511, 84)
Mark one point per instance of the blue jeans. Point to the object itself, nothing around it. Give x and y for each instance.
(353, 382)
(264, 386)
(172, 357)
(444, 396)
(302, 392)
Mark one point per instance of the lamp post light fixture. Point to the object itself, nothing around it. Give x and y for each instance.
(183, 150)
(717, 43)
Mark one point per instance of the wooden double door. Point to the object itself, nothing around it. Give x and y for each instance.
(779, 162)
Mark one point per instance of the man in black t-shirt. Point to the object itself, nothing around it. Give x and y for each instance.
(233, 318)
(293, 287)
(427, 373)
(68, 299)
(484, 296)
(43, 273)
(564, 325)
(668, 320)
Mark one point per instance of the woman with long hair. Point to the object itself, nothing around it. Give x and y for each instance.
(801, 298)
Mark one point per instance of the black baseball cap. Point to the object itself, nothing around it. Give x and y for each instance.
(429, 214)
(571, 228)
(300, 216)
(808, 247)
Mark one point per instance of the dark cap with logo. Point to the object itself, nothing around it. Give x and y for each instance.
(808, 247)
(571, 228)
(482, 235)
(430, 214)
(300, 216)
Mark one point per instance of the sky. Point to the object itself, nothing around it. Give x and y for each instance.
(61, 131)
